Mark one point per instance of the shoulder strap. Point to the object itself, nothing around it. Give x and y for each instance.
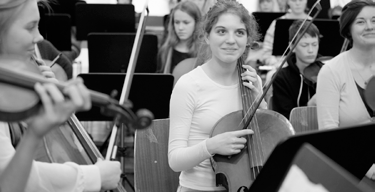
(16, 131)
(167, 67)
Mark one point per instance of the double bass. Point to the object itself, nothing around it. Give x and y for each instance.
(237, 172)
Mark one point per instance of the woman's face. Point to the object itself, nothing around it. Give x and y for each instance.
(266, 5)
(227, 39)
(297, 6)
(184, 25)
(23, 33)
(363, 27)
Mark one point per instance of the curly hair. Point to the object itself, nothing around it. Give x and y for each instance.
(211, 18)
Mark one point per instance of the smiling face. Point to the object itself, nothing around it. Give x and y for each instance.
(363, 28)
(183, 24)
(227, 39)
(23, 33)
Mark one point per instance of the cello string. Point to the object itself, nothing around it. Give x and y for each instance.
(247, 98)
(244, 99)
(257, 99)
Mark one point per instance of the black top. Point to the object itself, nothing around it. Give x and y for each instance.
(362, 94)
(291, 89)
(177, 57)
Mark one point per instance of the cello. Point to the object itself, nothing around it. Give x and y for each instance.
(237, 172)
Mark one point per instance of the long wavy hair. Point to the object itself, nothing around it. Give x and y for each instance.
(172, 39)
(222, 7)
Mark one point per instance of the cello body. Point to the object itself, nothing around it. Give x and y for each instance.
(237, 172)
(70, 143)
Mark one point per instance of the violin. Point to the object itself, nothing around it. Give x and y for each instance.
(237, 172)
(311, 71)
(19, 100)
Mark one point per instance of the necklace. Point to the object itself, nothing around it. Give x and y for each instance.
(368, 79)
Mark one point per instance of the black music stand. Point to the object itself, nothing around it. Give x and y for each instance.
(326, 5)
(104, 18)
(330, 44)
(312, 170)
(151, 91)
(110, 52)
(264, 20)
(56, 28)
(350, 147)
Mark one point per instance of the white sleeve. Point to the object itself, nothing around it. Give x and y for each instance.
(182, 104)
(68, 177)
(327, 98)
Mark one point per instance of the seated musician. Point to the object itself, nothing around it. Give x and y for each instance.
(291, 88)
(18, 36)
(342, 81)
(209, 92)
(297, 11)
(48, 53)
(181, 37)
(268, 6)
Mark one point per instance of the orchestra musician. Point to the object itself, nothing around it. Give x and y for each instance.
(181, 40)
(341, 82)
(18, 36)
(291, 88)
(207, 93)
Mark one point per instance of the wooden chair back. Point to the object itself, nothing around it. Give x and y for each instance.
(151, 168)
(304, 119)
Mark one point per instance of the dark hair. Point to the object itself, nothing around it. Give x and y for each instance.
(349, 12)
(313, 31)
(219, 8)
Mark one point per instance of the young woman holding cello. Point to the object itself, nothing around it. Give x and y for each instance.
(204, 95)
(18, 36)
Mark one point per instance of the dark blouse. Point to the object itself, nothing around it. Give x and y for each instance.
(177, 57)
(362, 93)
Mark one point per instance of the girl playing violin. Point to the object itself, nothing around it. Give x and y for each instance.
(18, 36)
(207, 93)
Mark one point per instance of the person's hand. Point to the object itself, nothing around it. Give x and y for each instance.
(58, 106)
(312, 101)
(228, 143)
(250, 80)
(110, 172)
(46, 70)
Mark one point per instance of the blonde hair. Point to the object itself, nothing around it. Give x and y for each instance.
(8, 12)
(275, 7)
(172, 39)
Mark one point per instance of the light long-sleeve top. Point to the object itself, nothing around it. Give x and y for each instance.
(339, 103)
(197, 103)
(51, 177)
